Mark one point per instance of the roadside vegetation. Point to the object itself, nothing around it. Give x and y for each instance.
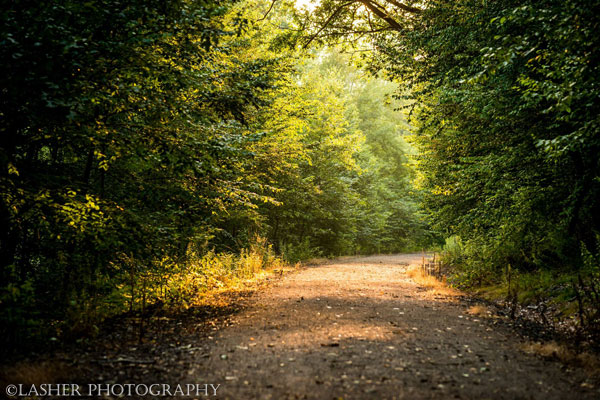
(504, 102)
(151, 150)
(154, 151)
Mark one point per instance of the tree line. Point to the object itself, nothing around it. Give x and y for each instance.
(141, 139)
(506, 112)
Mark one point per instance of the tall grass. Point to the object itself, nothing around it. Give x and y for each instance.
(183, 284)
(139, 290)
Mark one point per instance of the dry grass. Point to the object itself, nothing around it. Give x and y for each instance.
(479, 311)
(221, 296)
(557, 351)
(202, 280)
(429, 282)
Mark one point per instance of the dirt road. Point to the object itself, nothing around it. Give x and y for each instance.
(352, 329)
(361, 329)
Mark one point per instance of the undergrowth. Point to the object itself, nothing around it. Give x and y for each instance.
(429, 282)
(136, 292)
(566, 299)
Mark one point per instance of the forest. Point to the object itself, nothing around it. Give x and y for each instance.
(150, 149)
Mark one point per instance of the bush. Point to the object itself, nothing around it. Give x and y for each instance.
(133, 291)
(301, 251)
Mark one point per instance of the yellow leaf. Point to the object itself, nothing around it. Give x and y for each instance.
(12, 169)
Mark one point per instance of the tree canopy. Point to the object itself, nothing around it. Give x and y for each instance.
(139, 135)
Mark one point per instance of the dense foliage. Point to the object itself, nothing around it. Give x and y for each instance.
(520, 179)
(347, 187)
(147, 144)
(139, 136)
(506, 106)
(509, 127)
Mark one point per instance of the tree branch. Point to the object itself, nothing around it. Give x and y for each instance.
(268, 11)
(331, 17)
(382, 13)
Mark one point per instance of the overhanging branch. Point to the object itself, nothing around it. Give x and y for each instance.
(382, 13)
(268, 11)
(377, 9)
(328, 21)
